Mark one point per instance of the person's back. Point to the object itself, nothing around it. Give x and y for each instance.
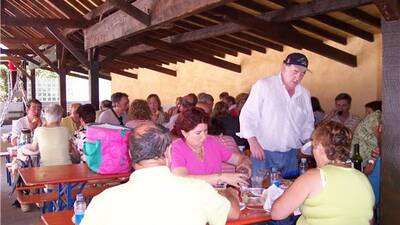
(155, 196)
(53, 145)
(346, 198)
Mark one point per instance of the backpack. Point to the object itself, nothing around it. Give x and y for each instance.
(107, 149)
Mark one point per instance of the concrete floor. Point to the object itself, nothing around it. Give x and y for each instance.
(9, 214)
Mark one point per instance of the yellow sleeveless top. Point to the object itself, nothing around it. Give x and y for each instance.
(346, 198)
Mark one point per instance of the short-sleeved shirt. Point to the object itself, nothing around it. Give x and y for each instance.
(351, 122)
(214, 154)
(347, 198)
(155, 196)
(53, 145)
(69, 124)
(109, 117)
(21, 124)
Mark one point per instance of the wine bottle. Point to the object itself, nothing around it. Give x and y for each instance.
(357, 159)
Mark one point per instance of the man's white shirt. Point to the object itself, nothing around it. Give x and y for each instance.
(278, 121)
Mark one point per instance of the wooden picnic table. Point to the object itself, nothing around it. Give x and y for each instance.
(247, 216)
(67, 177)
(72, 173)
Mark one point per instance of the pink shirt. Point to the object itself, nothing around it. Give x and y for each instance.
(214, 154)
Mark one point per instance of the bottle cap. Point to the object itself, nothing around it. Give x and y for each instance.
(79, 197)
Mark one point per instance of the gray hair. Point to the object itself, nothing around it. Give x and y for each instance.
(53, 113)
(205, 98)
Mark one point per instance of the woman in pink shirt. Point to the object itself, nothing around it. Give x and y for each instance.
(199, 155)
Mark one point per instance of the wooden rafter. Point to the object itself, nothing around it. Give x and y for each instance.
(37, 51)
(163, 12)
(293, 38)
(68, 45)
(38, 41)
(190, 53)
(132, 11)
(40, 22)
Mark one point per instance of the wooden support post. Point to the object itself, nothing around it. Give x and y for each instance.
(13, 78)
(391, 119)
(94, 68)
(63, 90)
(24, 78)
(33, 83)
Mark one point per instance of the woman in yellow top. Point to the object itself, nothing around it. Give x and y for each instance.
(72, 122)
(333, 193)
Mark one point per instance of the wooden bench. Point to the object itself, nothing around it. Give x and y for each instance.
(42, 198)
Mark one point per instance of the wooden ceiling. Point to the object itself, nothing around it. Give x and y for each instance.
(154, 33)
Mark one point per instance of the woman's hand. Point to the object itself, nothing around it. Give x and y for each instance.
(234, 179)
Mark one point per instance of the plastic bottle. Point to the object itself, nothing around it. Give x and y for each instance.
(303, 166)
(79, 208)
(275, 177)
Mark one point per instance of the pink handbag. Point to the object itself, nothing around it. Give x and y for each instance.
(107, 149)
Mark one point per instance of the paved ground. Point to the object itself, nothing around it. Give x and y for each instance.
(10, 215)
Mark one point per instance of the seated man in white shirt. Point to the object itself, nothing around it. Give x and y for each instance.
(31, 121)
(153, 195)
(341, 113)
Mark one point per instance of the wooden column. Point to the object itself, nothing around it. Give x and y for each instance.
(94, 77)
(33, 83)
(13, 77)
(63, 90)
(24, 78)
(390, 181)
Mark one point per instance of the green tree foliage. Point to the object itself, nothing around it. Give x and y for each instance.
(4, 72)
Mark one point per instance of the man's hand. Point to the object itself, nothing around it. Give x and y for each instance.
(257, 151)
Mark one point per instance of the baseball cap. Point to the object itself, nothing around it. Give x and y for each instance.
(297, 59)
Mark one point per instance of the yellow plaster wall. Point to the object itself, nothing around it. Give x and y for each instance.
(328, 77)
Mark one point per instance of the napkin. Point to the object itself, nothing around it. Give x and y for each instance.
(273, 193)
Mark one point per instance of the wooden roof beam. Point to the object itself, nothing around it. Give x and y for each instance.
(37, 51)
(363, 17)
(293, 37)
(299, 11)
(390, 9)
(68, 45)
(132, 11)
(37, 41)
(192, 54)
(119, 25)
(41, 22)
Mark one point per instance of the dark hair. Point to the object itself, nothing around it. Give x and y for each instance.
(117, 96)
(195, 100)
(33, 101)
(315, 104)
(87, 113)
(187, 101)
(335, 138)
(106, 104)
(343, 96)
(220, 109)
(139, 110)
(157, 99)
(188, 120)
(375, 105)
(149, 141)
(223, 95)
(230, 99)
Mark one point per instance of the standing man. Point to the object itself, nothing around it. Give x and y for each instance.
(117, 114)
(277, 118)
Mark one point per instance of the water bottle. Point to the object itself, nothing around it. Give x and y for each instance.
(303, 166)
(79, 209)
(275, 177)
